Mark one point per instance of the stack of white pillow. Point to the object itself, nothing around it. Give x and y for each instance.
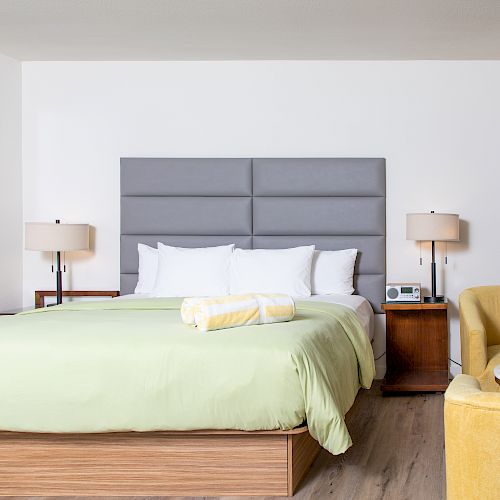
(214, 271)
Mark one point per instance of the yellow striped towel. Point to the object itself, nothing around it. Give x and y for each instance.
(216, 313)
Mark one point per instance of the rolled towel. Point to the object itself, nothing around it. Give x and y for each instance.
(216, 313)
(188, 308)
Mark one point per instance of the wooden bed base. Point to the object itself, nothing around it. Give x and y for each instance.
(195, 463)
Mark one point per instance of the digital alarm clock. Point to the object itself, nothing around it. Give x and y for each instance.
(402, 292)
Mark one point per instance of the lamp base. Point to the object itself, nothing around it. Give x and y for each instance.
(434, 300)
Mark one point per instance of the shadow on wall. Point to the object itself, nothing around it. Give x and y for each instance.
(453, 310)
(454, 248)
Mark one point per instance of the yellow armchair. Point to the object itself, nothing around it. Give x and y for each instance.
(480, 333)
(472, 441)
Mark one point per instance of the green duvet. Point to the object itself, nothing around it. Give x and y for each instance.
(131, 365)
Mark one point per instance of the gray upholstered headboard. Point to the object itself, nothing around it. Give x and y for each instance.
(334, 203)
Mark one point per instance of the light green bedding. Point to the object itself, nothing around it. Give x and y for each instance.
(127, 365)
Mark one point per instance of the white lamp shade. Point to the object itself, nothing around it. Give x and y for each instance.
(51, 237)
(432, 227)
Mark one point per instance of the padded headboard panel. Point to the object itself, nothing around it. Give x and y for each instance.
(334, 203)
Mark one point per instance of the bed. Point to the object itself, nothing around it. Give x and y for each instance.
(132, 436)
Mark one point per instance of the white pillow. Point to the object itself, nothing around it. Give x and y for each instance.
(187, 272)
(148, 267)
(333, 271)
(272, 271)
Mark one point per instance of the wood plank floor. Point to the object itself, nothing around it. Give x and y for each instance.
(398, 453)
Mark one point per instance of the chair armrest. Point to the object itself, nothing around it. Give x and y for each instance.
(472, 430)
(473, 338)
(465, 390)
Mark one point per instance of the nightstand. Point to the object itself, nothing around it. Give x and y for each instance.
(41, 294)
(416, 347)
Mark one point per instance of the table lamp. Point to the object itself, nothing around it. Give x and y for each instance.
(56, 237)
(432, 227)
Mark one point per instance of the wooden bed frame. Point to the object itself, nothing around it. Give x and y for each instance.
(234, 198)
(191, 463)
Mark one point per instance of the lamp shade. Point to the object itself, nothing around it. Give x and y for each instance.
(432, 227)
(51, 237)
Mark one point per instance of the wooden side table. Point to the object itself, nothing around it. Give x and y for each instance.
(417, 347)
(41, 294)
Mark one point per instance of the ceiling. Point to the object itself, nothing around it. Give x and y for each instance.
(249, 29)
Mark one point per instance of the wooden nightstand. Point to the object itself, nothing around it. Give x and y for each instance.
(417, 347)
(41, 294)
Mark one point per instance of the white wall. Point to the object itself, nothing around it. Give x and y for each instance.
(436, 123)
(11, 237)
